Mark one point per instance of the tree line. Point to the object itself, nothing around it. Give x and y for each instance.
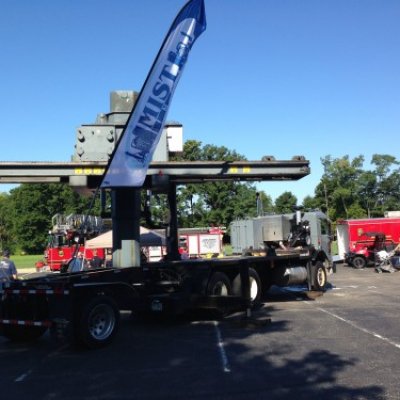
(346, 190)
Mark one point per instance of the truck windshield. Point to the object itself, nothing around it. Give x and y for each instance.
(57, 241)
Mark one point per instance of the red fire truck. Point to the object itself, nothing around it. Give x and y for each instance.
(360, 239)
(67, 238)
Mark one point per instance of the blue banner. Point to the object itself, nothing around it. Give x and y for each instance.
(135, 149)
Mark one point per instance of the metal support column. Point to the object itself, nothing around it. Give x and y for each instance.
(126, 227)
(245, 281)
(173, 243)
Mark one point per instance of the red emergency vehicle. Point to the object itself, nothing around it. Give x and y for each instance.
(67, 238)
(360, 239)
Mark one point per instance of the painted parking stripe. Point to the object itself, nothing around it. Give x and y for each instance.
(354, 325)
(22, 377)
(220, 344)
(221, 347)
(53, 354)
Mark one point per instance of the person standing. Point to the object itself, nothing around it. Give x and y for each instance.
(96, 262)
(8, 271)
(77, 264)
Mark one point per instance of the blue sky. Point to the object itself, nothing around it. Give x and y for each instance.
(267, 77)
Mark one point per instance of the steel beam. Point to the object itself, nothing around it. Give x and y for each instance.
(90, 173)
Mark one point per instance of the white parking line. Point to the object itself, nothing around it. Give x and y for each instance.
(345, 287)
(57, 351)
(354, 325)
(23, 376)
(220, 343)
(54, 353)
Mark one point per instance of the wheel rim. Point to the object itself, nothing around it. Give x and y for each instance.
(220, 289)
(253, 288)
(358, 262)
(101, 322)
(321, 279)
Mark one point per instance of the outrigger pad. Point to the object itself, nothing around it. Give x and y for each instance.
(248, 320)
(313, 294)
(254, 323)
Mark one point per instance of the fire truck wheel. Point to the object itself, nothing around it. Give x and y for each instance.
(219, 285)
(98, 322)
(18, 333)
(359, 262)
(319, 276)
(255, 287)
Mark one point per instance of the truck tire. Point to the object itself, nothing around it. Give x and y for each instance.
(359, 262)
(98, 323)
(255, 287)
(319, 276)
(17, 333)
(219, 285)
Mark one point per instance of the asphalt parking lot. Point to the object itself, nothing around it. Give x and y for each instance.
(342, 345)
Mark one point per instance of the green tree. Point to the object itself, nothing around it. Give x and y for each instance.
(285, 203)
(367, 192)
(350, 191)
(215, 203)
(312, 203)
(6, 238)
(387, 187)
(339, 187)
(32, 207)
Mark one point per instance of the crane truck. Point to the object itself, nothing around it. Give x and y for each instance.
(85, 305)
